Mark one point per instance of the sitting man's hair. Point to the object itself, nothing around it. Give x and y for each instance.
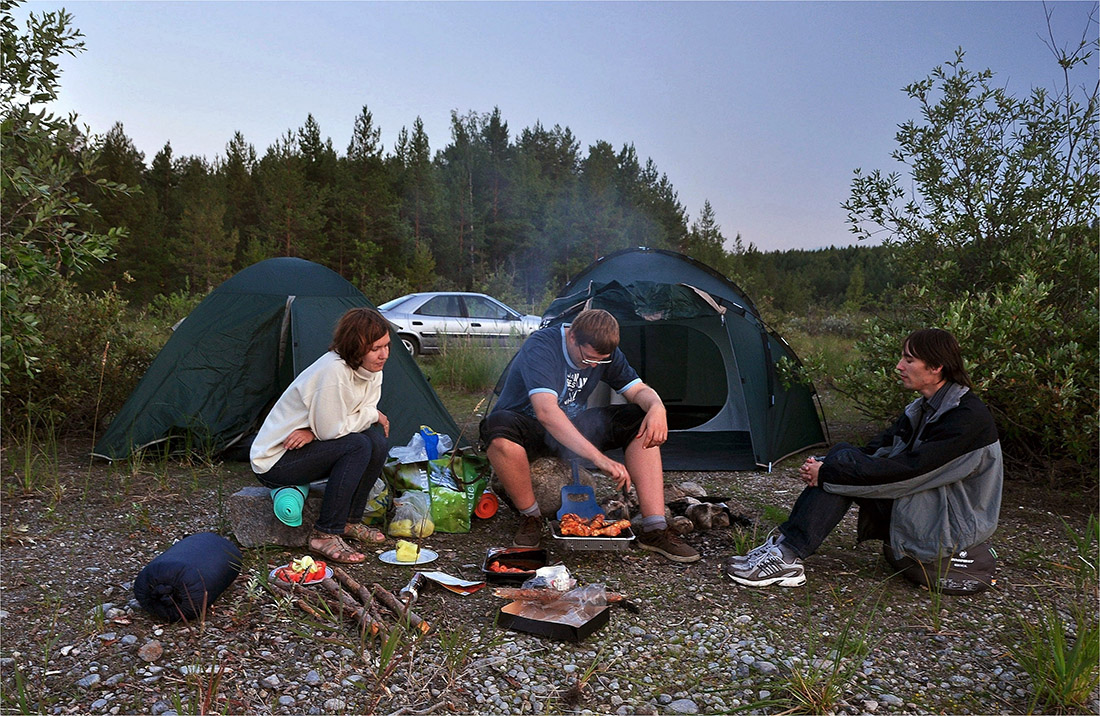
(356, 332)
(597, 328)
(938, 348)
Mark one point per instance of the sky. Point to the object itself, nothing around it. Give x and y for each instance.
(764, 109)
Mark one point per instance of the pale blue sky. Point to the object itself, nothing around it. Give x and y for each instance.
(764, 108)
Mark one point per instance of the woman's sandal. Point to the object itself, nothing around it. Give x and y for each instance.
(334, 549)
(366, 535)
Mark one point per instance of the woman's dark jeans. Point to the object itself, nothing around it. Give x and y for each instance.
(816, 513)
(351, 464)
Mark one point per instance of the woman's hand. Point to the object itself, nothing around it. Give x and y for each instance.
(384, 422)
(299, 438)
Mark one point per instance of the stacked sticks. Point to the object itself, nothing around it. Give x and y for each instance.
(353, 601)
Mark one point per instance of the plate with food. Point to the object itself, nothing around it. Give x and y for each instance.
(304, 570)
(408, 553)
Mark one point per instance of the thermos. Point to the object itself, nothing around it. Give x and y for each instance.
(411, 591)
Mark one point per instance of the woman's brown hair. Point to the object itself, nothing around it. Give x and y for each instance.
(356, 332)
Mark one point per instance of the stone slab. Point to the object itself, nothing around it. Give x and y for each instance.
(254, 523)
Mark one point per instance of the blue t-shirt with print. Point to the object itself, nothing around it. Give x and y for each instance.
(543, 366)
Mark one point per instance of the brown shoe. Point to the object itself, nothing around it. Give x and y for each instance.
(669, 545)
(529, 533)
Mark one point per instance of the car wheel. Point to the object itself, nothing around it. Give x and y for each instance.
(411, 345)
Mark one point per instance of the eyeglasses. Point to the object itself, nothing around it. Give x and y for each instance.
(593, 361)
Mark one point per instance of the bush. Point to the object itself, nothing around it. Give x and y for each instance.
(93, 355)
(1033, 364)
(997, 228)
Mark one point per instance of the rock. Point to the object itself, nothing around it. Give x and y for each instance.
(255, 524)
(313, 678)
(870, 706)
(334, 705)
(683, 706)
(99, 704)
(128, 640)
(681, 524)
(548, 476)
(150, 651)
(689, 489)
(88, 681)
(270, 682)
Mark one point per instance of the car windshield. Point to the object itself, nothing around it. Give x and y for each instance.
(393, 303)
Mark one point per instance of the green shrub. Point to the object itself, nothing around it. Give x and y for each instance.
(996, 228)
(1033, 365)
(94, 353)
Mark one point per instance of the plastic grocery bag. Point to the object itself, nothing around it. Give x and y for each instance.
(417, 449)
(411, 515)
(456, 485)
(378, 502)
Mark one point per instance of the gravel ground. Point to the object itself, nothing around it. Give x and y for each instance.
(75, 641)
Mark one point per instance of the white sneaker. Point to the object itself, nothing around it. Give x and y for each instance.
(754, 554)
(772, 567)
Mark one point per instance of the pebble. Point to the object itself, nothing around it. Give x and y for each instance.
(313, 678)
(150, 651)
(683, 706)
(333, 705)
(270, 682)
(88, 681)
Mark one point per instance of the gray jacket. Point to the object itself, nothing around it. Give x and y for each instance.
(945, 481)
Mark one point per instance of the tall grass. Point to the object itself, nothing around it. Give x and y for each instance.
(463, 364)
(1061, 658)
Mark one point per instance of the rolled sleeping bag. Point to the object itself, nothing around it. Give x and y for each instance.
(288, 503)
(183, 581)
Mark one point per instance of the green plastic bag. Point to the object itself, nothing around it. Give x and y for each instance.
(451, 509)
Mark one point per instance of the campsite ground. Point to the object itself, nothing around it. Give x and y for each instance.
(76, 535)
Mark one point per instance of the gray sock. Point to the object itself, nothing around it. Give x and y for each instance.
(532, 511)
(654, 523)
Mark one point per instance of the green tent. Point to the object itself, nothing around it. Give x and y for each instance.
(231, 358)
(698, 340)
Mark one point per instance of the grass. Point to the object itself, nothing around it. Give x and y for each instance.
(817, 684)
(467, 365)
(1062, 658)
(1063, 668)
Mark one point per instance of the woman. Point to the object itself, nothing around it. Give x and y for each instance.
(326, 425)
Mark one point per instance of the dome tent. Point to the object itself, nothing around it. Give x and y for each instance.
(225, 365)
(698, 340)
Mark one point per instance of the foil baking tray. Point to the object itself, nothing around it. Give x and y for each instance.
(592, 544)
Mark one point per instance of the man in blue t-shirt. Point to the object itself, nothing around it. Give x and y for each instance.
(541, 412)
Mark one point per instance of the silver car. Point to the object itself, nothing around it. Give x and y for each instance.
(425, 320)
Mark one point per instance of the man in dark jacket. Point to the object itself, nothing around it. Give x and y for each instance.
(929, 486)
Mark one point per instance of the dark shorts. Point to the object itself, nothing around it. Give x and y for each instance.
(606, 428)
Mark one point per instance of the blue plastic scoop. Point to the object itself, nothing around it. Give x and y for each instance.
(578, 499)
